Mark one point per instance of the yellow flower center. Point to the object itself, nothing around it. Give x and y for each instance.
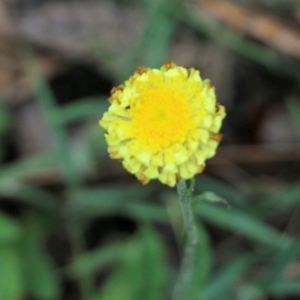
(161, 118)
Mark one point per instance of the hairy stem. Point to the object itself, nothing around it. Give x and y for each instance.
(191, 242)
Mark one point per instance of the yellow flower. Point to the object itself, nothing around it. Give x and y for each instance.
(163, 123)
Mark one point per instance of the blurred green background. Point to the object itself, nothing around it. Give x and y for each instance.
(74, 224)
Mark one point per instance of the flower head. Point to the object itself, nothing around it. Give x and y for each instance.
(163, 123)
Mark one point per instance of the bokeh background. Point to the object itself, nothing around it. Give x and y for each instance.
(74, 224)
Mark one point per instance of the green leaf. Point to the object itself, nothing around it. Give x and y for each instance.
(91, 261)
(141, 273)
(26, 167)
(160, 27)
(10, 230)
(49, 110)
(11, 279)
(243, 224)
(224, 191)
(38, 198)
(117, 200)
(293, 108)
(80, 110)
(280, 201)
(5, 120)
(153, 265)
(224, 280)
(276, 269)
(284, 288)
(151, 44)
(96, 143)
(41, 277)
(250, 292)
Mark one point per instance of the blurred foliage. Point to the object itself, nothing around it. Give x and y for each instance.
(139, 265)
(5, 121)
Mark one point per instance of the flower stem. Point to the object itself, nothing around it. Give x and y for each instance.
(191, 242)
